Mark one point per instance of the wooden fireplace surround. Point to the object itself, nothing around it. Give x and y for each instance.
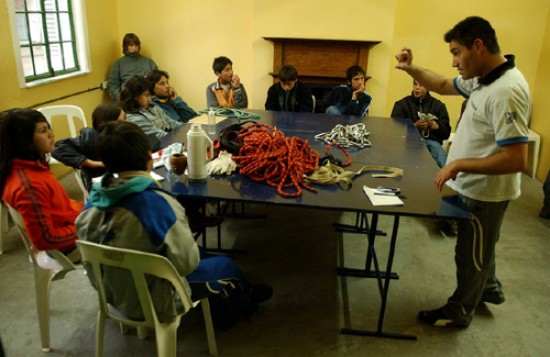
(321, 64)
(320, 61)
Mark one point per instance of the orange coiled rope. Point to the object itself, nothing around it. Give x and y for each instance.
(268, 156)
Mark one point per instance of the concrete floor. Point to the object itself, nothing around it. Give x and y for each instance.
(297, 251)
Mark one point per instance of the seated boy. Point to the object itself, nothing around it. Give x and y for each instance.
(127, 209)
(166, 97)
(227, 91)
(351, 99)
(289, 94)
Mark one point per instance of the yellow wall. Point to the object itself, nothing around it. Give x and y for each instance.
(183, 37)
(541, 100)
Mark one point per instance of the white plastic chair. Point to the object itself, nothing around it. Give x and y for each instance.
(47, 265)
(5, 224)
(75, 120)
(141, 264)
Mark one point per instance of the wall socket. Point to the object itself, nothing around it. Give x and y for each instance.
(104, 85)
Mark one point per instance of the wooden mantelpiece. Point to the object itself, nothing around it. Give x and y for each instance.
(320, 61)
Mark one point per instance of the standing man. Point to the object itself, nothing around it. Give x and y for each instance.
(429, 116)
(166, 97)
(484, 166)
(129, 65)
(351, 99)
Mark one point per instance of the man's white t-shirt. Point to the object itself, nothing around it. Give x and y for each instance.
(497, 114)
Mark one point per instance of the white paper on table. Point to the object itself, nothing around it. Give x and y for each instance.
(156, 176)
(382, 199)
(158, 161)
(152, 173)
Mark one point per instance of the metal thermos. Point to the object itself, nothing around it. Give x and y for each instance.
(198, 144)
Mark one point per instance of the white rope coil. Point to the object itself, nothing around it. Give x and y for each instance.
(347, 135)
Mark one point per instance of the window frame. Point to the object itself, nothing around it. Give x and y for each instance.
(79, 34)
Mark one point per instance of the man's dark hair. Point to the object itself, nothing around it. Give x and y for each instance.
(130, 39)
(220, 63)
(133, 87)
(155, 75)
(353, 71)
(122, 146)
(471, 28)
(288, 73)
(105, 113)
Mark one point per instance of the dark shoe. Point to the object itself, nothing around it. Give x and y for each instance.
(493, 296)
(261, 292)
(437, 318)
(447, 228)
(545, 212)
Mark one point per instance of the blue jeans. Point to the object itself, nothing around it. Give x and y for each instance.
(213, 268)
(437, 152)
(333, 110)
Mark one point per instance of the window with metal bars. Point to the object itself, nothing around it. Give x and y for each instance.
(47, 40)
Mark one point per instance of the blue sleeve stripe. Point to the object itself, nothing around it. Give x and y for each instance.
(515, 140)
(457, 88)
(157, 225)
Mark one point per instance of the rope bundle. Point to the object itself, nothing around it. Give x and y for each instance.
(268, 156)
(232, 112)
(347, 135)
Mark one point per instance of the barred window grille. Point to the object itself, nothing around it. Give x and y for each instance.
(47, 40)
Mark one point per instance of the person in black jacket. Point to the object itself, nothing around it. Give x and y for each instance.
(289, 94)
(429, 116)
(351, 99)
(80, 152)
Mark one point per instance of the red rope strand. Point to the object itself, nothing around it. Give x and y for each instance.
(268, 156)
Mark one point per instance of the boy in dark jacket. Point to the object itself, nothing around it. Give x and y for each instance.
(351, 99)
(429, 116)
(289, 94)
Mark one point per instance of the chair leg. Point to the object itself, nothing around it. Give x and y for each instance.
(142, 332)
(42, 291)
(167, 338)
(99, 332)
(209, 327)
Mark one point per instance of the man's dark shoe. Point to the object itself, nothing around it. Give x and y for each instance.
(261, 292)
(493, 297)
(545, 212)
(438, 319)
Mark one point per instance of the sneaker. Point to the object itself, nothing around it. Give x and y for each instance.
(493, 296)
(438, 319)
(448, 228)
(545, 212)
(261, 292)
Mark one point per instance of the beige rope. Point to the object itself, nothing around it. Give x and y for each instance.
(330, 174)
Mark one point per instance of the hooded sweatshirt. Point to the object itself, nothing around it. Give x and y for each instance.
(130, 211)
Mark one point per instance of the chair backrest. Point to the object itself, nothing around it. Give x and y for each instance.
(314, 100)
(46, 260)
(71, 114)
(140, 265)
(75, 120)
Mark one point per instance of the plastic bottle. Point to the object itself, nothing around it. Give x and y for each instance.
(211, 121)
(197, 147)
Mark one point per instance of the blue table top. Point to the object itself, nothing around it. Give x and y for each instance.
(395, 143)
